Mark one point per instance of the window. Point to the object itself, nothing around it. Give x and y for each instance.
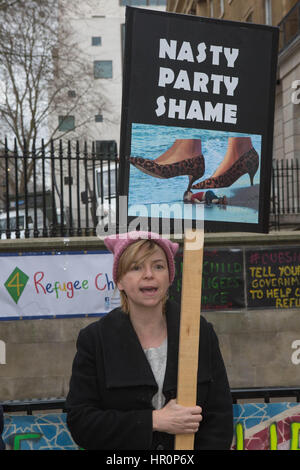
(107, 182)
(123, 40)
(98, 118)
(133, 2)
(143, 2)
(106, 149)
(13, 222)
(102, 69)
(96, 41)
(66, 123)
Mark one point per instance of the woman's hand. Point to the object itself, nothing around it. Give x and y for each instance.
(177, 419)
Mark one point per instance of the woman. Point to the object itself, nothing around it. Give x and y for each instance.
(124, 379)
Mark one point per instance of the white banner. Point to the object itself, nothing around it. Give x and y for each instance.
(34, 285)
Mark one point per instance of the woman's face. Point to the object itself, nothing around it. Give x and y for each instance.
(146, 283)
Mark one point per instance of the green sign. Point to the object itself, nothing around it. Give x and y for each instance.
(16, 283)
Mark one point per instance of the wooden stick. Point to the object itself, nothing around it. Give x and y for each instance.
(189, 329)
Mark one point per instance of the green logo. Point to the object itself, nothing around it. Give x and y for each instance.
(16, 283)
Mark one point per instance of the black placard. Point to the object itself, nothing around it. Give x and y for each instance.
(210, 83)
(273, 277)
(222, 280)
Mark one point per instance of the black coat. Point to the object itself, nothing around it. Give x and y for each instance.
(112, 385)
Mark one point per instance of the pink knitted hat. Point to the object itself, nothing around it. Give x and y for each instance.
(118, 243)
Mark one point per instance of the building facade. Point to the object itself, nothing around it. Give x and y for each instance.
(255, 11)
(286, 15)
(98, 28)
(88, 109)
(285, 197)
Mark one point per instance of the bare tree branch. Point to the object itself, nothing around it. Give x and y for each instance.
(40, 62)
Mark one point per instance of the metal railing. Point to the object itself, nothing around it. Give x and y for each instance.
(55, 191)
(266, 393)
(238, 394)
(285, 192)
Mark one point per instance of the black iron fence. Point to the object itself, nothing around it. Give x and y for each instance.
(56, 190)
(285, 193)
(239, 395)
(66, 188)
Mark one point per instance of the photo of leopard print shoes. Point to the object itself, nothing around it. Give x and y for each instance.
(247, 163)
(184, 157)
(193, 167)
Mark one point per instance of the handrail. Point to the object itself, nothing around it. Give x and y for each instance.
(13, 406)
(266, 393)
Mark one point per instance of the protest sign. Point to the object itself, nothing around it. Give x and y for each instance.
(197, 114)
(56, 284)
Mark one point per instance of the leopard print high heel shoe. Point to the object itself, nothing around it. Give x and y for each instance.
(193, 167)
(247, 163)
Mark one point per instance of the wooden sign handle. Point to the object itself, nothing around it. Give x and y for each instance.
(189, 329)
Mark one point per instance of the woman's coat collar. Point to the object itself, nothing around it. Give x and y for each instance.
(125, 362)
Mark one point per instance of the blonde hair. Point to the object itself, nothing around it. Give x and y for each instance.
(130, 256)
